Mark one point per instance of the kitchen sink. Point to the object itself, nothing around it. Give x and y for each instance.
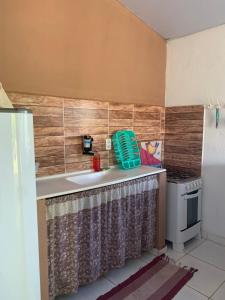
(94, 177)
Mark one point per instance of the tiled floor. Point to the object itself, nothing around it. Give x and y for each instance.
(207, 283)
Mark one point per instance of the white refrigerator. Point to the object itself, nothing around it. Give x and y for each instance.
(19, 258)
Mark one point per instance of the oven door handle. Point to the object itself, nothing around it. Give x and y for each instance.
(187, 197)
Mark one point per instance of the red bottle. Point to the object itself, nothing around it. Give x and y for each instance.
(96, 162)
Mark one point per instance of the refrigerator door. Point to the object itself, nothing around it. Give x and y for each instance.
(19, 268)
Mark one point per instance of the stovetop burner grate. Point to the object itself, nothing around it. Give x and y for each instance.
(178, 176)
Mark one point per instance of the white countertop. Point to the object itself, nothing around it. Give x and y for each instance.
(58, 185)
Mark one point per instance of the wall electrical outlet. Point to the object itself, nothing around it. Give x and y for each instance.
(108, 144)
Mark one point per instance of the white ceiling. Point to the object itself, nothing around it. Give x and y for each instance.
(177, 18)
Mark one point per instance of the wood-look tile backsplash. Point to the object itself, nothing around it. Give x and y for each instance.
(59, 124)
(183, 138)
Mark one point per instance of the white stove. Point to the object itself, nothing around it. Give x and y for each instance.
(184, 197)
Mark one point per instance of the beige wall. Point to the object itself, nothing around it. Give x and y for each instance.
(90, 49)
(196, 75)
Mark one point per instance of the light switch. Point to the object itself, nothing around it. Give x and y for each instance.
(108, 144)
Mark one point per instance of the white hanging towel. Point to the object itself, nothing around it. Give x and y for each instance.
(4, 100)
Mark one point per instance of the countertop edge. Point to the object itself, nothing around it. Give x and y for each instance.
(98, 185)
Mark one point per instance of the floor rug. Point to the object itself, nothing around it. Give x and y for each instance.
(158, 280)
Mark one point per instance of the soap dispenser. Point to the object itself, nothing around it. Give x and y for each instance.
(87, 145)
(96, 162)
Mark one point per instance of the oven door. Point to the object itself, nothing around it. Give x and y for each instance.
(192, 209)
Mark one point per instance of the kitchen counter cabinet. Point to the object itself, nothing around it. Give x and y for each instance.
(42, 223)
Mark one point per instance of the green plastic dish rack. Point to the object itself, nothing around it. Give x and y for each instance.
(126, 149)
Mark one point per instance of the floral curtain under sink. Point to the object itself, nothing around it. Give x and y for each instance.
(93, 231)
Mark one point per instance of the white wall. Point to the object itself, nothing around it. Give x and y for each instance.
(196, 75)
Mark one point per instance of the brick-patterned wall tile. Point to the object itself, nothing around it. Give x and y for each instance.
(147, 121)
(84, 117)
(60, 123)
(183, 138)
(120, 117)
(48, 130)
